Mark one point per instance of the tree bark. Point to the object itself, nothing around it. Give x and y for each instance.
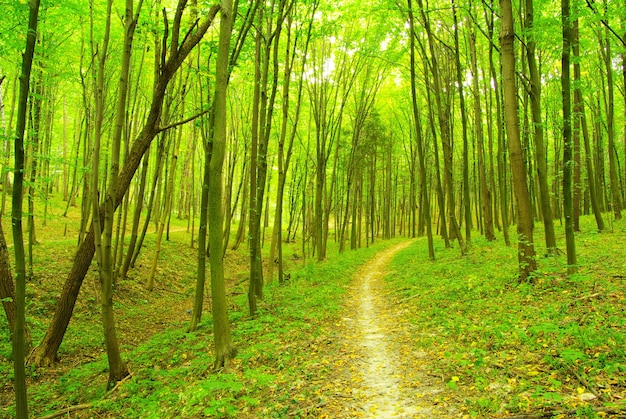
(525, 245)
(467, 211)
(568, 161)
(540, 157)
(419, 140)
(224, 350)
(579, 114)
(19, 338)
(605, 49)
(485, 191)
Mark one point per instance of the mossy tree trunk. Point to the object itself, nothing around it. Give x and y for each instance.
(224, 350)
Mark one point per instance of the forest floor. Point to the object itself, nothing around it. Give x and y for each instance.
(380, 332)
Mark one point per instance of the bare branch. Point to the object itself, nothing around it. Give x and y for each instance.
(184, 121)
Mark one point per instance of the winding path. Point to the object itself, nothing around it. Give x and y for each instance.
(380, 373)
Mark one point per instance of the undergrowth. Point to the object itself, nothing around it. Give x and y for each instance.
(554, 345)
(275, 374)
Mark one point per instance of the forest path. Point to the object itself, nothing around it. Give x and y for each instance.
(379, 373)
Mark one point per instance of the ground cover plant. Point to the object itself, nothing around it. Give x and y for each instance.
(553, 346)
(279, 370)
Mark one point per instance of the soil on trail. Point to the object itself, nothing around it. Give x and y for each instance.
(379, 373)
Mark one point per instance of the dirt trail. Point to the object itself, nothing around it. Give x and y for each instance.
(380, 373)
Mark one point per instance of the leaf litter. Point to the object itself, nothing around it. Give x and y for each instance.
(379, 373)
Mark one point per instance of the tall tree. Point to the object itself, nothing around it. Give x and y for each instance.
(267, 45)
(580, 118)
(485, 188)
(525, 245)
(535, 105)
(568, 161)
(104, 239)
(284, 157)
(466, 157)
(443, 116)
(418, 136)
(224, 350)
(19, 341)
(605, 50)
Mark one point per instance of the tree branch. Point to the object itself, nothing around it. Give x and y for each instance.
(606, 23)
(184, 121)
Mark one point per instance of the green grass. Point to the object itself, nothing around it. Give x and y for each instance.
(501, 346)
(276, 371)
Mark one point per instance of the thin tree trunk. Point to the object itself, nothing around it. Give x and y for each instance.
(136, 216)
(568, 162)
(485, 192)
(34, 150)
(466, 182)
(605, 50)
(420, 143)
(501, 161)
(19, 338)
(196, 314)
(540, 157)
(579, 114)
(444, 128)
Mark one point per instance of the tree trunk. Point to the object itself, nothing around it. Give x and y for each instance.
(19, 334)
(224, 350)
(485, 191)
(501, 160)
(466, 183)
(444, 131)
(525, 245)
(610, 126)
(7, 291)
(568, 161)
(136, 215)
(579, 114)
(540, 157)
(35, 136)
(420, 143)
(168, 192)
